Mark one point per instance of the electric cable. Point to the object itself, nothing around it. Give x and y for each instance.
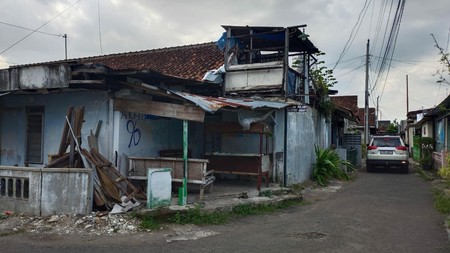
(35, 30)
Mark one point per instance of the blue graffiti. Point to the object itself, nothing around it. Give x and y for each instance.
(135, 133)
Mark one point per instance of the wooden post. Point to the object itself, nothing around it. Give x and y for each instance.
(182, 193)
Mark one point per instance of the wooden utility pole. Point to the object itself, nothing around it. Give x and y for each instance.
(366, 108)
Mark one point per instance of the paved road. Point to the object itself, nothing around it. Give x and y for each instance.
(377, 213)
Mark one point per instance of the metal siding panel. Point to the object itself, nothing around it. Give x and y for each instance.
(253, 79)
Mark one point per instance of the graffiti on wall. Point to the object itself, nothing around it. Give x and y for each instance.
(135, 133)
(132, 120)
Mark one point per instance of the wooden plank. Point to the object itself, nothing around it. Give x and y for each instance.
(232, 127)
(87, 82)
(121, 182)
(64, 137)
(183, 112)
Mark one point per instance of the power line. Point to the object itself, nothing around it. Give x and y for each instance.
(35, 30)
(353, 33)
(29, 29)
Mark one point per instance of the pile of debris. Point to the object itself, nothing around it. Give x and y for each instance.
(96, 223)
(112, 190)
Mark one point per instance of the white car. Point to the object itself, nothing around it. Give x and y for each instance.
(387, 151)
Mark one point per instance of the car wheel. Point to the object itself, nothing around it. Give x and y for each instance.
(369, 168)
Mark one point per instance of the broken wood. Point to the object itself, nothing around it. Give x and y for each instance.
(112, 181)
(64, 138)
(63, 161)
(169, 110)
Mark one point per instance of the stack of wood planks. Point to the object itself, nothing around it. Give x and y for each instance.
(109, 185)
(71, 136)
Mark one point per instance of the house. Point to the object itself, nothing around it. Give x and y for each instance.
(348, 134)
(351, 102)
(414, 128)
(434, 123)
(383, 126)
(142, 105)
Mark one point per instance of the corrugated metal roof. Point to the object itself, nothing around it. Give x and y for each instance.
(212, 104)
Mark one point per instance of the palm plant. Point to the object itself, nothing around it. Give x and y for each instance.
(328, 166)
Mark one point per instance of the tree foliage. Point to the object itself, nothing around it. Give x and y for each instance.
(322, 79)
(445, 61)
(393, 127)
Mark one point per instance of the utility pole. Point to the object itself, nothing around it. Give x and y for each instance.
(407, 95)
(378, 113)
(65, 44)
(366, 108)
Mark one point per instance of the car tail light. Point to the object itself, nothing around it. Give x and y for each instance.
(401, 148)
(371, 147)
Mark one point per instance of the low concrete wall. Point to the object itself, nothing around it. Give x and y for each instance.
(46, 191)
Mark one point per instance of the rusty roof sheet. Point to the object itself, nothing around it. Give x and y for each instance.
(212, 104)
(186, 62)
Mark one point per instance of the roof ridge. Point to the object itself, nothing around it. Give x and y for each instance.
(147, 51)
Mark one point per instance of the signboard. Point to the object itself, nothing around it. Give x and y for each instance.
(297, 108)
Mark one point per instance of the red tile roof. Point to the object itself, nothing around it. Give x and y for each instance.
(186, 62)
(360, 114)
(348, 102)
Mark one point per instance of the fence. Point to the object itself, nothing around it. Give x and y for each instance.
(45, 191)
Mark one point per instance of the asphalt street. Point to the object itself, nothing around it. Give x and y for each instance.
(378, 212)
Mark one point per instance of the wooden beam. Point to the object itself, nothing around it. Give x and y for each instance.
(183, 112)
(87, 82)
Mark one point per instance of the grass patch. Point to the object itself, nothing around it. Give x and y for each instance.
(442, 202)
(425, 175)
(258, 209)
(156, 220)
(198, 217)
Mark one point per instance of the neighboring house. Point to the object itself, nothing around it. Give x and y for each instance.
(383, 126)
(435, 124)
(349, 136)
(351, 103)
(138, 105)
(415, 120)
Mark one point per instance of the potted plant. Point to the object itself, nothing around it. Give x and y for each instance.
(426, 151)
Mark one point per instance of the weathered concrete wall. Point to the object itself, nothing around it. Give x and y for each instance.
(36, 191)
(13, 122)
(35, 77)
(278, 146)
(304, 130)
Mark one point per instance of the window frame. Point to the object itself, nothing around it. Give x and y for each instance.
(34, 111)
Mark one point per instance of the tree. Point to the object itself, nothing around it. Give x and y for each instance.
(393, 127)
(323, 80)
(445, 61)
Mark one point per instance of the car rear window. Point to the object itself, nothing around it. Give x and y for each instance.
(386, 142)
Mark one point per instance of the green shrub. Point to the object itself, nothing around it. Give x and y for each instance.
(328, 166)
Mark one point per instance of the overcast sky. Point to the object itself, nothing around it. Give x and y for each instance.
(96, 27)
